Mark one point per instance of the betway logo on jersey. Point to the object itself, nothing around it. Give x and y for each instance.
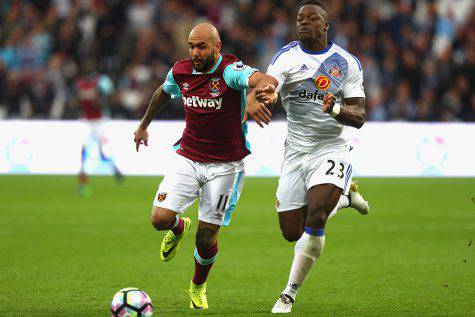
(313, 96)
(198, 102)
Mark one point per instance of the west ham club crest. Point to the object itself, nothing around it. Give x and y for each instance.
(214, 84)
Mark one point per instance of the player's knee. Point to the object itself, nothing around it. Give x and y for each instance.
(317, 219)
(291, 235)
(320, 209)
(161, 221)
(205, 238)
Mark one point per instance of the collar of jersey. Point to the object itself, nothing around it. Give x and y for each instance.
(212, 69)
(330, 44)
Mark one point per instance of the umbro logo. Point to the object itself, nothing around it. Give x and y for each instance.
(303, 68)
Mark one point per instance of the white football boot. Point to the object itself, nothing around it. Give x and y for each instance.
(283, 305)
(357, 201)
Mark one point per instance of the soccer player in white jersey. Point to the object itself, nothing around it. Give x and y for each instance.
(321, 86)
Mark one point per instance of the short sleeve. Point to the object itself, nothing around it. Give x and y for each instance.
(170, 86)
(353, 86)
(277, 70)
(106, 87)
(237, 75)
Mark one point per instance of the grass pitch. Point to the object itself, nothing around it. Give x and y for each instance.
(65, 255)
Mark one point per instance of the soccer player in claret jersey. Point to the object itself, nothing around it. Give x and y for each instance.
(209, 161)
(321, 86)
(92, 91)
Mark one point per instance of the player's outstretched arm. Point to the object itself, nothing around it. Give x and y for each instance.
(352, 113)
(159, 99)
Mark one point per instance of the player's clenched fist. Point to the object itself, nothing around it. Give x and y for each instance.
(328, 102)
(140, 137)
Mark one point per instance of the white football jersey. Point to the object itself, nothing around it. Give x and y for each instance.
(304, 78)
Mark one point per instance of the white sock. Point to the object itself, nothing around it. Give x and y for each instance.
(307, 251)
(343, 202)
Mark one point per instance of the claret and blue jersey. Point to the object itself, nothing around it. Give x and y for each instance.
(214, 107)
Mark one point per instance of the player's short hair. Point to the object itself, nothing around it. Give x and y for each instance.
(313, 2)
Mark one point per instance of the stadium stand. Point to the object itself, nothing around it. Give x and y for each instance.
(418, 56)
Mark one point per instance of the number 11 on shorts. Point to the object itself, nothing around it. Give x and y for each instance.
(221, 207)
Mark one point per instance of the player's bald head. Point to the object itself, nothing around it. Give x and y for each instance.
(204, 45)
(206, 32)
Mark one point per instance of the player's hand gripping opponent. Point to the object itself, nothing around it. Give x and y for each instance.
(258, 103)
(329, 104)
(267, 95)
(256, 110)
(140, 137)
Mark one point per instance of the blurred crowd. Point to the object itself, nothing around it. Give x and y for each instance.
(418, 56)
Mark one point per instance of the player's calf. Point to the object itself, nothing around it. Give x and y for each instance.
(206, 235)
(322, 199)
(206, 252)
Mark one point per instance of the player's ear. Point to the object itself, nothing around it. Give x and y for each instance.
(327, 26)
(218, 46)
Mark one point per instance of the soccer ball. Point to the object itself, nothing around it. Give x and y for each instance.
(131, 302)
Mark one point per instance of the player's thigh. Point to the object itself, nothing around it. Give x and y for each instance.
(291, 192)
(218, 198)
(97, 130)
(179, 187)
(327, 178)
(322, 199)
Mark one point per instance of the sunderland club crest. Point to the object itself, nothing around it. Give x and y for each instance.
(335, 71)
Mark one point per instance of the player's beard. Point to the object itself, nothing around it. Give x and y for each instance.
(206, 63)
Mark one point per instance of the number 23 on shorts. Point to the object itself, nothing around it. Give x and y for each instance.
(335, 168)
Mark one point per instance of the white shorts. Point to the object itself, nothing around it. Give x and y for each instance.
(301, 171)
(217, 185)
(95, 130)
(96, 136)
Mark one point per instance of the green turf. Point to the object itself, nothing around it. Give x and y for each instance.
(65, 255)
